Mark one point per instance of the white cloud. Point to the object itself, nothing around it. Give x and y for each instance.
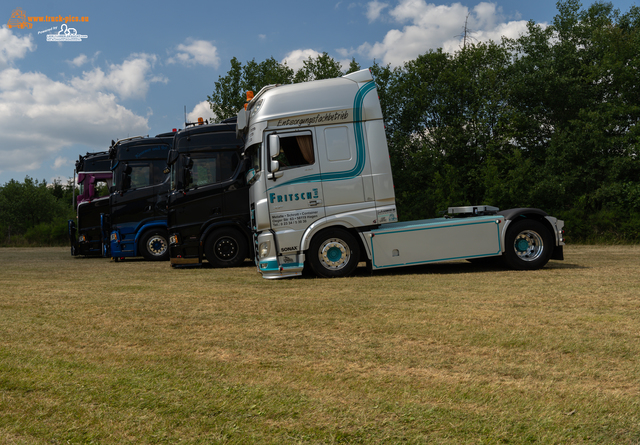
(39, 116)
(202, 110)
(429, 26)
(196, 52)
(82, 59)
(61, 162)
(130, 79)
(13, 47)
(295, 59)
(374, 9)
(344, 52)
(78, 61)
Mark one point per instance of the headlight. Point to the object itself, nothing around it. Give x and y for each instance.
(173, 239)
(114, 237)
(263, 249)
(82, 239)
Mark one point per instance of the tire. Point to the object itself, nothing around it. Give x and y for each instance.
(226, 247)
(528, 245)
(154, 245)
(334, 253)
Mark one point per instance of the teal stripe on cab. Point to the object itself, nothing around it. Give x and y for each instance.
(358, 128)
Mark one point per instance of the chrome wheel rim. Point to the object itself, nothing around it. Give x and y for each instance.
(528, 245)
(157, 245)
(334, 254)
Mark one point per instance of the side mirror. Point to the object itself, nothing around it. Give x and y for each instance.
(274, 145)
(126, 178)
(273, 168)
(188, 165)
(187, 177)
(250, 176)
(172, 157)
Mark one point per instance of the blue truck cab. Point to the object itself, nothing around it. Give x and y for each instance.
(138, 201)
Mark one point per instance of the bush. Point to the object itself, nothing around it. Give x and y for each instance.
(48, 234)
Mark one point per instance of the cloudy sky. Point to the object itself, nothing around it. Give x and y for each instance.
(134, 68)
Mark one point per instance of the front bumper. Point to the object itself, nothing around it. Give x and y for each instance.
(270, 264)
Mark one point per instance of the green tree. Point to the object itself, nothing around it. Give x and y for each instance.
(353, 66)
(26, 205)
(229, 91)
(447, 122)
(578, 109)
(321, 67)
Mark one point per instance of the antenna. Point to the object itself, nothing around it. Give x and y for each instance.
(185, 116)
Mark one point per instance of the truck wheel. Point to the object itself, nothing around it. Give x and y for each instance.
(528, 245)
(226, 248)
(154, 245)
(334, 253)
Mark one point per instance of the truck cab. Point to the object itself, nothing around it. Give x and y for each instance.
(94, 178)
(322, 196)
(208, 206)
(137, 220)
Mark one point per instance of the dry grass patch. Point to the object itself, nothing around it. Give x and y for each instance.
(97, 351)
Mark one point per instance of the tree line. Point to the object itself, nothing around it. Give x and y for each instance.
(548, 120)
(35, 213)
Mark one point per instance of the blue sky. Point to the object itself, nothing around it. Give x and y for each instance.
(137, 64)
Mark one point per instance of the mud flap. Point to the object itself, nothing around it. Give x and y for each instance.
(558, 253)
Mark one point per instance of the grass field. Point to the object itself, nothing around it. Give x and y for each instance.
(93, 351)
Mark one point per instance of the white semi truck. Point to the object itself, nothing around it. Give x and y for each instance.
(321, 192)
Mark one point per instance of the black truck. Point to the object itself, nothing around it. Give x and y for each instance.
(208, 206)
(137, 220)
(94, 178)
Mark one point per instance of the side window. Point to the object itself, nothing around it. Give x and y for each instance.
(203, 172)
(159, 176)
(140, 175)
(228, 164)
(147, 173)
(213, 168)
(295, 151)
(102, 188)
